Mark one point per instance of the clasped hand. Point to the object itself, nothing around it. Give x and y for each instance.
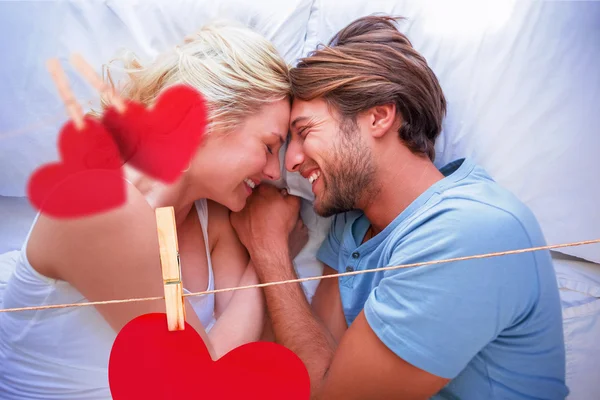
(270, 221)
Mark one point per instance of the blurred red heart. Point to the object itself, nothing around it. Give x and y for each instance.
(87, 180)
(148, 362)
(160, 141)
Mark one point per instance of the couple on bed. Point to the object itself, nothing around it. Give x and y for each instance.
(360, 118)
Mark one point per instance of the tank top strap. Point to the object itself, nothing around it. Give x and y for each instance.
(202, 209)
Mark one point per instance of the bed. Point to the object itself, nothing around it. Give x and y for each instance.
(521, 78)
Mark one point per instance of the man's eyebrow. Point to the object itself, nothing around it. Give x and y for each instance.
(299, 119)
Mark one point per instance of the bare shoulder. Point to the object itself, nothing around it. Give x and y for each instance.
(55, 240)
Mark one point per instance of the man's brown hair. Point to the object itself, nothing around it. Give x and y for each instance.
(370, 63)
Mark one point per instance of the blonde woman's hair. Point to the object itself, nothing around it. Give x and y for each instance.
(236, 69)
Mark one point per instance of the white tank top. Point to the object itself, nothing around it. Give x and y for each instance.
(63, 353)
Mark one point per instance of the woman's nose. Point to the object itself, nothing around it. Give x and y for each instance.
(272, 170)
(294, 156)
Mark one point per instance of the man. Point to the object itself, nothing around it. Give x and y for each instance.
(366, 113)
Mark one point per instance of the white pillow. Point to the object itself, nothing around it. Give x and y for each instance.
(31, 112)
(523, 88)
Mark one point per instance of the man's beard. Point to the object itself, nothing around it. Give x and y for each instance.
(348, 177)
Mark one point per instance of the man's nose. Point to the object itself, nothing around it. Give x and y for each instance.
(294, 156)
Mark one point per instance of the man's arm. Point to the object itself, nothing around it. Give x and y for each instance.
(263, 227)
(327, 305)
(361, 367)
(365, 368)
(294, 324)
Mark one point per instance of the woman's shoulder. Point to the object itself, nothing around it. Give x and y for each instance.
(219, 225)
(52, 239)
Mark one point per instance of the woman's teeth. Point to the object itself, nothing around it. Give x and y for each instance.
(250, 183)
(314, 177)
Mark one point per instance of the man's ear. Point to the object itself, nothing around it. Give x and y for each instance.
(381, 119)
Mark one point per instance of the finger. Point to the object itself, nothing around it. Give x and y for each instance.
(303, 227)
(59, 77)
(293, 200)
(284, 192)
(94, 79)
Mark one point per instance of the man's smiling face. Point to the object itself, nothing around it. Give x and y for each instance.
(331, 153)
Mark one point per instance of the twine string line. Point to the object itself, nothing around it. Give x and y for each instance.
(262, 285)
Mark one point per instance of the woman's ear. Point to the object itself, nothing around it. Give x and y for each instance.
(381, 119)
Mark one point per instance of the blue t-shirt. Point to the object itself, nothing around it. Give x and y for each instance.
(492, 325)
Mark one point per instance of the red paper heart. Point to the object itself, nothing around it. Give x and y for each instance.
(89, 178)
(148, 362)
(161, 141)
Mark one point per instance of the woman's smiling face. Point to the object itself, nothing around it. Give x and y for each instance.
(243, 158)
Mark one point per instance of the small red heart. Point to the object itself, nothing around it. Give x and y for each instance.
(161, 141)
(88, 180)
(148, 362)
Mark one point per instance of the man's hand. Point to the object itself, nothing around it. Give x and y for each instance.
(266, 222)
(298, 238)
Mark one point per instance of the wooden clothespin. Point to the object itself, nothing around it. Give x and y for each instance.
(171, 268)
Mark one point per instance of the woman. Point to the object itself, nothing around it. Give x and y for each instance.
(63, 353)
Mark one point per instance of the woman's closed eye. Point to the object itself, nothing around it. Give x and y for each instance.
(273, 142)
(273, 148)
